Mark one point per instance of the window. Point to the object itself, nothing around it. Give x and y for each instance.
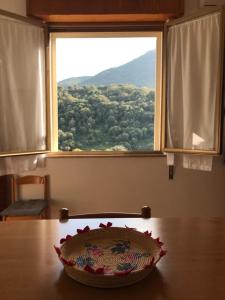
(106, 91)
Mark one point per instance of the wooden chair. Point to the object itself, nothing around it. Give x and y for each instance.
(145, 214)
(7, 192)
(32, 208)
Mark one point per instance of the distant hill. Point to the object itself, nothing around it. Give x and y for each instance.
(72, 81)
(140, 72)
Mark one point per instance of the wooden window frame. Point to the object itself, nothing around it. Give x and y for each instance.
(54, 103)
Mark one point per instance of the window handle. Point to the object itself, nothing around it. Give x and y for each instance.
(171, 172)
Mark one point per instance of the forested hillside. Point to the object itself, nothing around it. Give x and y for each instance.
(106, 117)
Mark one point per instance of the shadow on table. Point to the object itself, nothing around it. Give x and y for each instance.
(152, 287)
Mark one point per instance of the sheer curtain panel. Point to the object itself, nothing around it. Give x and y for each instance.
(22, 91)
(22, 87)
(194, 84)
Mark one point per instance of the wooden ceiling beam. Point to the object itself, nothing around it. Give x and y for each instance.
(105, 11)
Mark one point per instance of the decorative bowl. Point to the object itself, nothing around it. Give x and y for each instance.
(109, 257)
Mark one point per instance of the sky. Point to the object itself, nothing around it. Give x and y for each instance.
(88, 56)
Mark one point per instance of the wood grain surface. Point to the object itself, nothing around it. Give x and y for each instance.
(194, 267)
(82, 7)
(103, 11)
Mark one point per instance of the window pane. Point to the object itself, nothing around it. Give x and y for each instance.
(106, 93)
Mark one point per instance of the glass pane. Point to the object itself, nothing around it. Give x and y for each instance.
(106, 93)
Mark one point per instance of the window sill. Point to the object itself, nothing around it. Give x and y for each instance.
(105, 154)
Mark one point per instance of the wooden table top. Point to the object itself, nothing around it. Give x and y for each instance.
(194, 267)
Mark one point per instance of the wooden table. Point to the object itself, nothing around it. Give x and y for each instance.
(194, 267)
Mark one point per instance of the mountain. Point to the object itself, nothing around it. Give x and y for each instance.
(140, 72)
(72, 81)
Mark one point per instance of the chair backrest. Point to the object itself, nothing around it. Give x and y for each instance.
(34, 179)
(145, 214)
(7, 191)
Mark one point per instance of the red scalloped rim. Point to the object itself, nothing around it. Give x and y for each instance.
(158, 242)
(62, 259)
(57, 250)
(162, 253)
(85, 230)
(149, 266)
(99, 271)
(108, 225)
(148, 233)
(68, 237)
(69, 263)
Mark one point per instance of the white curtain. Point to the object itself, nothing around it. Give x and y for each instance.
(21, 164)
(22, 93)
(193, 81)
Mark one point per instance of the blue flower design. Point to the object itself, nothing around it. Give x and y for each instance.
(83, 261)
(120, 247)
(139, 255)
(126, 267)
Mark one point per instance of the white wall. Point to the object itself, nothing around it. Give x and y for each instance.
(191, 5)
(94, 184)
(15, 6)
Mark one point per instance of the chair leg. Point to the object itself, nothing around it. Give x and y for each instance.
(48, 213)
(45, 214)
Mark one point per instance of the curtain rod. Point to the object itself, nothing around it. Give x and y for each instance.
(17, 17)
(82, 27)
